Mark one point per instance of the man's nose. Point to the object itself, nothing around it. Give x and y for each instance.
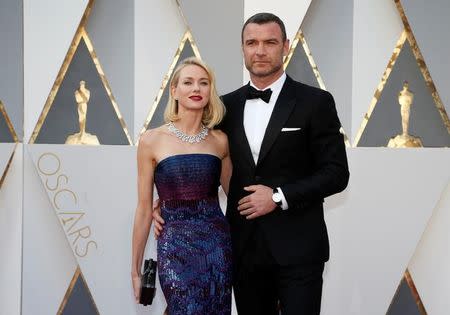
(260, 50)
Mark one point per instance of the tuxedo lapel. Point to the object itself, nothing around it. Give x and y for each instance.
(281, 111)
(240, 136)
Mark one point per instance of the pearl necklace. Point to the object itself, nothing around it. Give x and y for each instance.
(187, 138)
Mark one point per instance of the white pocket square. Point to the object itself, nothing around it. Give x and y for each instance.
(290, 129)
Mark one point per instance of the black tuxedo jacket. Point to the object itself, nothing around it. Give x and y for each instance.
(308, 164)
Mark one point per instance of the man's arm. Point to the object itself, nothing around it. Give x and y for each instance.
(329, 158)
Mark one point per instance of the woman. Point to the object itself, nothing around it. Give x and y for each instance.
(186, 160)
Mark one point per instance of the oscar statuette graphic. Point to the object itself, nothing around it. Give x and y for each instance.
(405, 140)
(82, 96)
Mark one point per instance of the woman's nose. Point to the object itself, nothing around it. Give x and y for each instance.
(196, 87)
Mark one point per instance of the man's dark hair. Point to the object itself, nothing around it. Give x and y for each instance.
(264, 18)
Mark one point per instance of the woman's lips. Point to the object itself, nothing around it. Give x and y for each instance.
(196, 98)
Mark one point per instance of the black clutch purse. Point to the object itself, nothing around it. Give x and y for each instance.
(148, 282)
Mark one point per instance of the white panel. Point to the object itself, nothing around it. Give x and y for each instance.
(159, 29)
(48, 262)
(214, 48)
(375, 225)
(430, 265)
(49, 27)
(99, 184)
(291, 12)
(6, 149)
(377, 28)
(11, 236)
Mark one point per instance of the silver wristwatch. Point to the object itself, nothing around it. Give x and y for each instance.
(276, 197)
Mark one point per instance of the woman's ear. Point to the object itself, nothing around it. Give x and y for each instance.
(172, 92)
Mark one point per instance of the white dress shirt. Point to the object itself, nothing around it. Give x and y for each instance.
(256, 118)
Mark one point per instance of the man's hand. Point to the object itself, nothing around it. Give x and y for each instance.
(258, 203)
(157, 218)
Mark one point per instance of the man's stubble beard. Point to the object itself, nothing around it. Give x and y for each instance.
(263, 74)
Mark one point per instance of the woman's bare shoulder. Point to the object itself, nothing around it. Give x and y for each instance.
(221, 140)
(219, 135)
(152, 136)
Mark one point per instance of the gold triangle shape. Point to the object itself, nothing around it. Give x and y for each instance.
(380, 87)
(80, 33)
(414, 293)
(74, 280)
(407, 34)
(15, 138)
(300, 38)
(5, 172)
(423, 67)
(8, 122)
(186, 37)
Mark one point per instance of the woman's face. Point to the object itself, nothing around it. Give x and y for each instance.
(193, 88)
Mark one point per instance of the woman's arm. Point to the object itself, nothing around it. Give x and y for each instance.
(227, 167)
(143, 214)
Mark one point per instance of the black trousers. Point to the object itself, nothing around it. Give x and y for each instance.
(262, 287)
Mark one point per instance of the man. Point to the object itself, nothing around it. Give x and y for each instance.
(288, 155)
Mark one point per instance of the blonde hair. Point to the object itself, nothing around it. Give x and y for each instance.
(213, 112)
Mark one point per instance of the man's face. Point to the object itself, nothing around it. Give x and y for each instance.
(263, 48)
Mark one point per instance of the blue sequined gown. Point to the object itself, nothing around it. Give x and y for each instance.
(194, 249)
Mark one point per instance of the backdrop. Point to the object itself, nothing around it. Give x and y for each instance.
(66, 212)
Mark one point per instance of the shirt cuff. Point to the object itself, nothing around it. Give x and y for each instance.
(284, 204)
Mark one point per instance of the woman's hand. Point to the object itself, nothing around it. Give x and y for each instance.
(136, 280)
(157, 218)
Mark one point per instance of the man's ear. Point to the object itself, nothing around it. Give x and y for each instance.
(286, 46)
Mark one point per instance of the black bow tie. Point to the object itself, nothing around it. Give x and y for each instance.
(253, 93)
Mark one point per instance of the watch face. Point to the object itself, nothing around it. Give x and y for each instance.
(276, 197)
